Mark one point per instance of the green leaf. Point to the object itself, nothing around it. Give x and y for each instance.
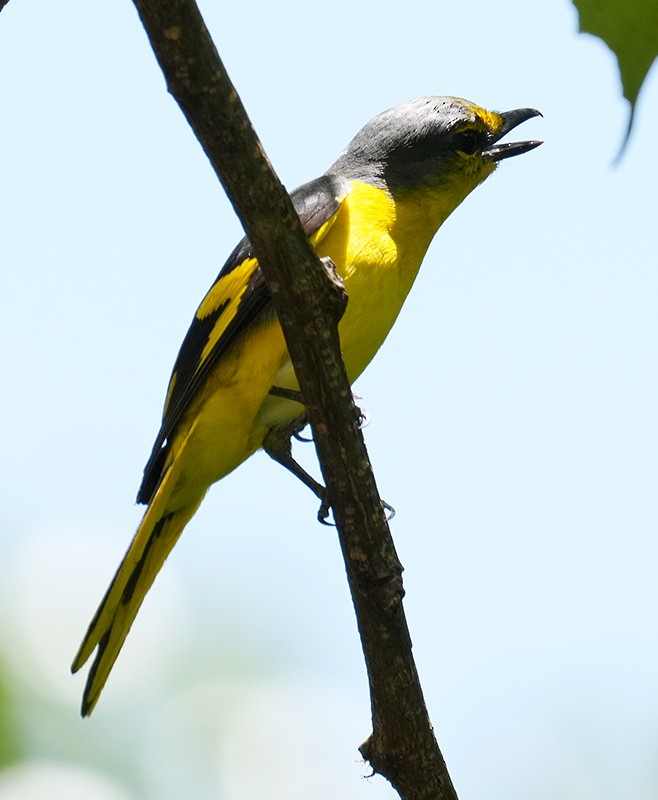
(630, 29)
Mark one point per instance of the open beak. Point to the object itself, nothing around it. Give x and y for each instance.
(497, 152)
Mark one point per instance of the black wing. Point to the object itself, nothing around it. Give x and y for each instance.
(231, 306)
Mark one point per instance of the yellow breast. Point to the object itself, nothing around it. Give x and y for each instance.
(377, 246)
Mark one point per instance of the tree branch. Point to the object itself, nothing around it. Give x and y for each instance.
(402, 746)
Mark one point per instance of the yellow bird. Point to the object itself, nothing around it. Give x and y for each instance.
(374, 213)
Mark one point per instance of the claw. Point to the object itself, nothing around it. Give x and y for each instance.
(325, 508)
(298, 436)
(323, 513)
(364, 417)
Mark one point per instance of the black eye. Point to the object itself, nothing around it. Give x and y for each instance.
(467, 142)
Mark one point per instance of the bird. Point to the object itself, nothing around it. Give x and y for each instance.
(233, 390)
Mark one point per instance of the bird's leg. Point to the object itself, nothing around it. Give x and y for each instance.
(288, 394)
(296, 396)
(277, 444)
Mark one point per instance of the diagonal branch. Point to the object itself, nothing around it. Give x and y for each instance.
(402, 746)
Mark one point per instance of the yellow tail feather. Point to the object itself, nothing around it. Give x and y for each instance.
(158, 532)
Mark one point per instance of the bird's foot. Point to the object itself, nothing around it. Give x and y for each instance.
(325, 508)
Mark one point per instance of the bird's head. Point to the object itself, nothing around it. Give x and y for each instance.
(433, 143)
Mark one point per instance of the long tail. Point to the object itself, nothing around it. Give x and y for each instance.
(157, 534)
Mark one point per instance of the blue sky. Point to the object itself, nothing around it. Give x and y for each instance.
(513, 416)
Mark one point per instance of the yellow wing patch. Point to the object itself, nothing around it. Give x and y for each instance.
(227, 287)
(226, 294)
